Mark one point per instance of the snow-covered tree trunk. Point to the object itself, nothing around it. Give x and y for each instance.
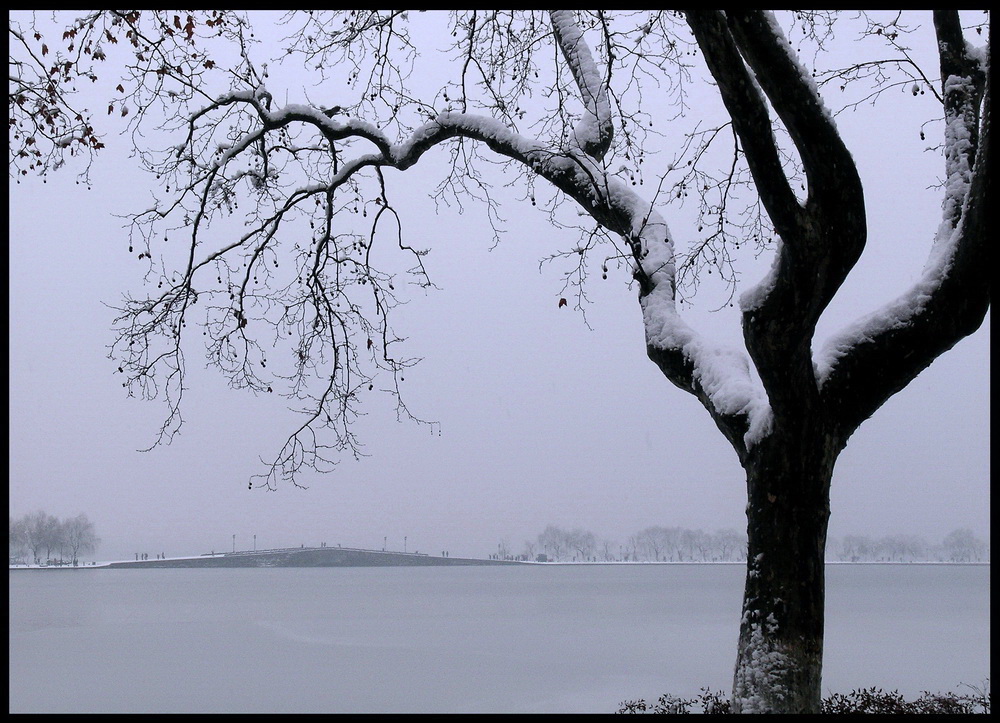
(780, 650)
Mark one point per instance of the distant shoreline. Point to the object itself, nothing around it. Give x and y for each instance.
(357, 557)
(286, 557)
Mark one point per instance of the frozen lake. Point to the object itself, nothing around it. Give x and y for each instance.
(557, 638)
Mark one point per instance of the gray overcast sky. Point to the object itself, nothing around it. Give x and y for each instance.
(542, 420)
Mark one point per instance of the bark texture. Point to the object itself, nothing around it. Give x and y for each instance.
(780, 653)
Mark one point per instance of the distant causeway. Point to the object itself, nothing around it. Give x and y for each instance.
(308, 557)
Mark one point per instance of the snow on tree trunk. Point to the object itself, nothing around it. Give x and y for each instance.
(780, 653)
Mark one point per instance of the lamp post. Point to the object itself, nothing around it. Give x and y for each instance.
(255, 543)
(234, 543)
(404, 543)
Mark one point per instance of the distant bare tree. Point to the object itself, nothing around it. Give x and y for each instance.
(652, 541)
(81, 536)
(702, 543)
(607, 550)
(582, 542)
(38, 529)
(963, 545)
(53, 535)
(632, 547)
(18, 539)
(554, 542)
(503, 549)
(529, 549)
(731, 544)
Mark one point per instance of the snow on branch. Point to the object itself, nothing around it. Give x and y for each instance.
(885, 349)
(594, 131)
(720, 377)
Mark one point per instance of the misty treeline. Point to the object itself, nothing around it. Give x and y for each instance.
(961, 545)
(651, 544)
(679, 544)
(39, 536)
